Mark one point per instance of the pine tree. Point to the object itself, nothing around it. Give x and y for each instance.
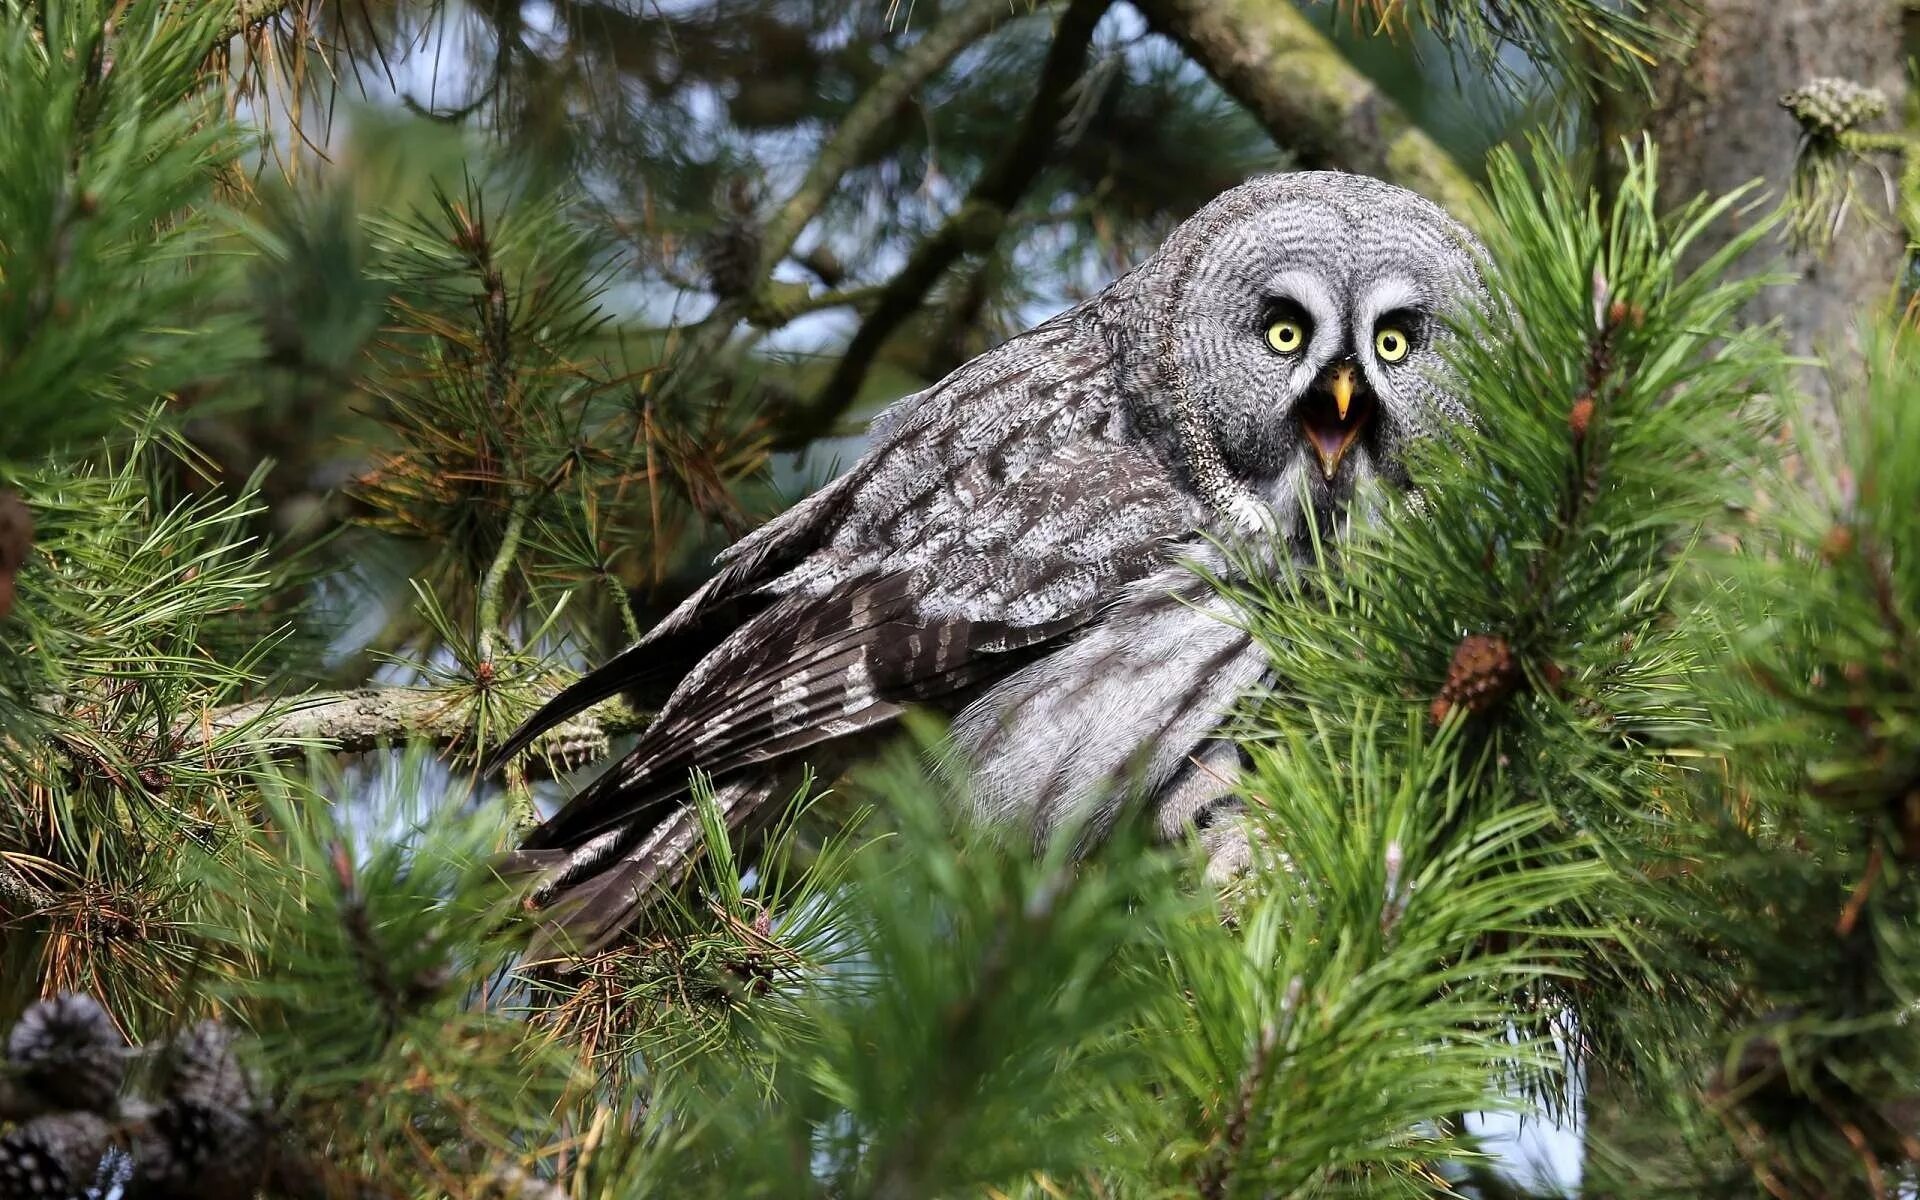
(1588, 784)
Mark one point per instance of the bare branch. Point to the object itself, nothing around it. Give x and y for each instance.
(1293, 80)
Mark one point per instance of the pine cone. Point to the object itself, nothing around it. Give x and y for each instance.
(731, 255)
(54, 1157)
(70, 1053)
(16, 531)
(1828, 107)
(1481, 675)
(203, 1069)
(189, 1151)
(16, 538)
(208, 1139)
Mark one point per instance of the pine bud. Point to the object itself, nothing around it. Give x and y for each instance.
(56, 1156)
(1837, 544)
(1580, 417)
(70, 1053)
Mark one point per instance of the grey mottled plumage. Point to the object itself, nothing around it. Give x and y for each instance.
(1011, 549)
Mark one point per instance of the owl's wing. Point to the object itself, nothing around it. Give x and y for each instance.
(979, 427)
(861, 630)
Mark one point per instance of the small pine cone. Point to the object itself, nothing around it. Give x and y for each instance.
(203, 1069)
(1828, 107)
(1481, 674)
(16, 531)
(731, 255)
(56, 1157)
(69, 1053)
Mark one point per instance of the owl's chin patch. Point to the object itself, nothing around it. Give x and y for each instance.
(1330, 432)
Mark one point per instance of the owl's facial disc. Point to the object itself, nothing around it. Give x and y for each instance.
(1336, 410)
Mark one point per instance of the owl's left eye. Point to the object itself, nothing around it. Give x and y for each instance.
(1391, 343)
(1286, 336)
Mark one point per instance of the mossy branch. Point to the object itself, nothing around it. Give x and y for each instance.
(367, 718)
(1298, 85)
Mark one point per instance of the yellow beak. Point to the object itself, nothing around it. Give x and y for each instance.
(1342, 387)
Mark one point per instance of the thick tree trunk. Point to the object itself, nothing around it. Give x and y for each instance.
(1719, 124)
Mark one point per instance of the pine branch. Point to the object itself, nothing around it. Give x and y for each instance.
(488, 617)
(19, 896)
(366, 718)
(975, 227)
(248, 15)
(1271, 59)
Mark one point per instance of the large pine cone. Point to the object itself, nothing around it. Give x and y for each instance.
(70, 1053)
(208, 1139)
(54, 1157)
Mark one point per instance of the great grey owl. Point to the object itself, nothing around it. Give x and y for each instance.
(1014, 547)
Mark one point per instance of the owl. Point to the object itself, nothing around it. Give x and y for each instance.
(1018, 548)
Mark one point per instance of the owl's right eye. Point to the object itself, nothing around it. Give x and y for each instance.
(1286, 336)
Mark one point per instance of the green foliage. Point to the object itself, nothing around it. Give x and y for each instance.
(1800, 912)
(108, 214)
(136, 617)
(1572, 37)
(363, 958)
(1367, 999)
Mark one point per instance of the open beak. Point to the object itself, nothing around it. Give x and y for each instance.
(1336, 410)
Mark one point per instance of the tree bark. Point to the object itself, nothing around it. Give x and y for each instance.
(1719, 124)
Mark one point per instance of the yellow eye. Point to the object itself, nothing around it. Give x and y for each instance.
(1390, 344)
(1286, 336)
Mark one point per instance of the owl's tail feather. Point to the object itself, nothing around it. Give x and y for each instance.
(593, 892)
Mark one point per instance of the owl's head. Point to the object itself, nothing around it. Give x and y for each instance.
(1291, 335)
